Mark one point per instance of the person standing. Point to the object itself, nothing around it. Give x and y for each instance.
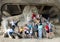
(35, 29)
(50, 30)
(40, 28)
(47, 30)
(30, 26)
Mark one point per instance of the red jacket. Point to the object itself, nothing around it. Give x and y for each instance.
(33, 16)
(47, 27)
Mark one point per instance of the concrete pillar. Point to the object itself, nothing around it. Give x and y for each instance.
(0, 11)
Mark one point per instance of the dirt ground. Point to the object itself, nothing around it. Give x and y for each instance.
(29, 40)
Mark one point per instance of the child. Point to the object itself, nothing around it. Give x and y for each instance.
(50, 30)
(30, 26)
(47, 30)
(26, 30)
(35, 29)
(21, 30)
(40, 28)
(10, 32)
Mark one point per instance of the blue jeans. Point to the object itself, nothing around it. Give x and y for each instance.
(40, 33)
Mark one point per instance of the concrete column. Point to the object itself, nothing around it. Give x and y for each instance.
(0, 11)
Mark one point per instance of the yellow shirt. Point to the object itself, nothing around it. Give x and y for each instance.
(21, 29)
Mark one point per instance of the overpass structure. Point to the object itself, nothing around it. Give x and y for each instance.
(53, 6)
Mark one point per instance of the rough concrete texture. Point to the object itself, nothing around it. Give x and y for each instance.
(31, 2)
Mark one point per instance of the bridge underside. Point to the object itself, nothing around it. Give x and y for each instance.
(11, 9)
(48, 8)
